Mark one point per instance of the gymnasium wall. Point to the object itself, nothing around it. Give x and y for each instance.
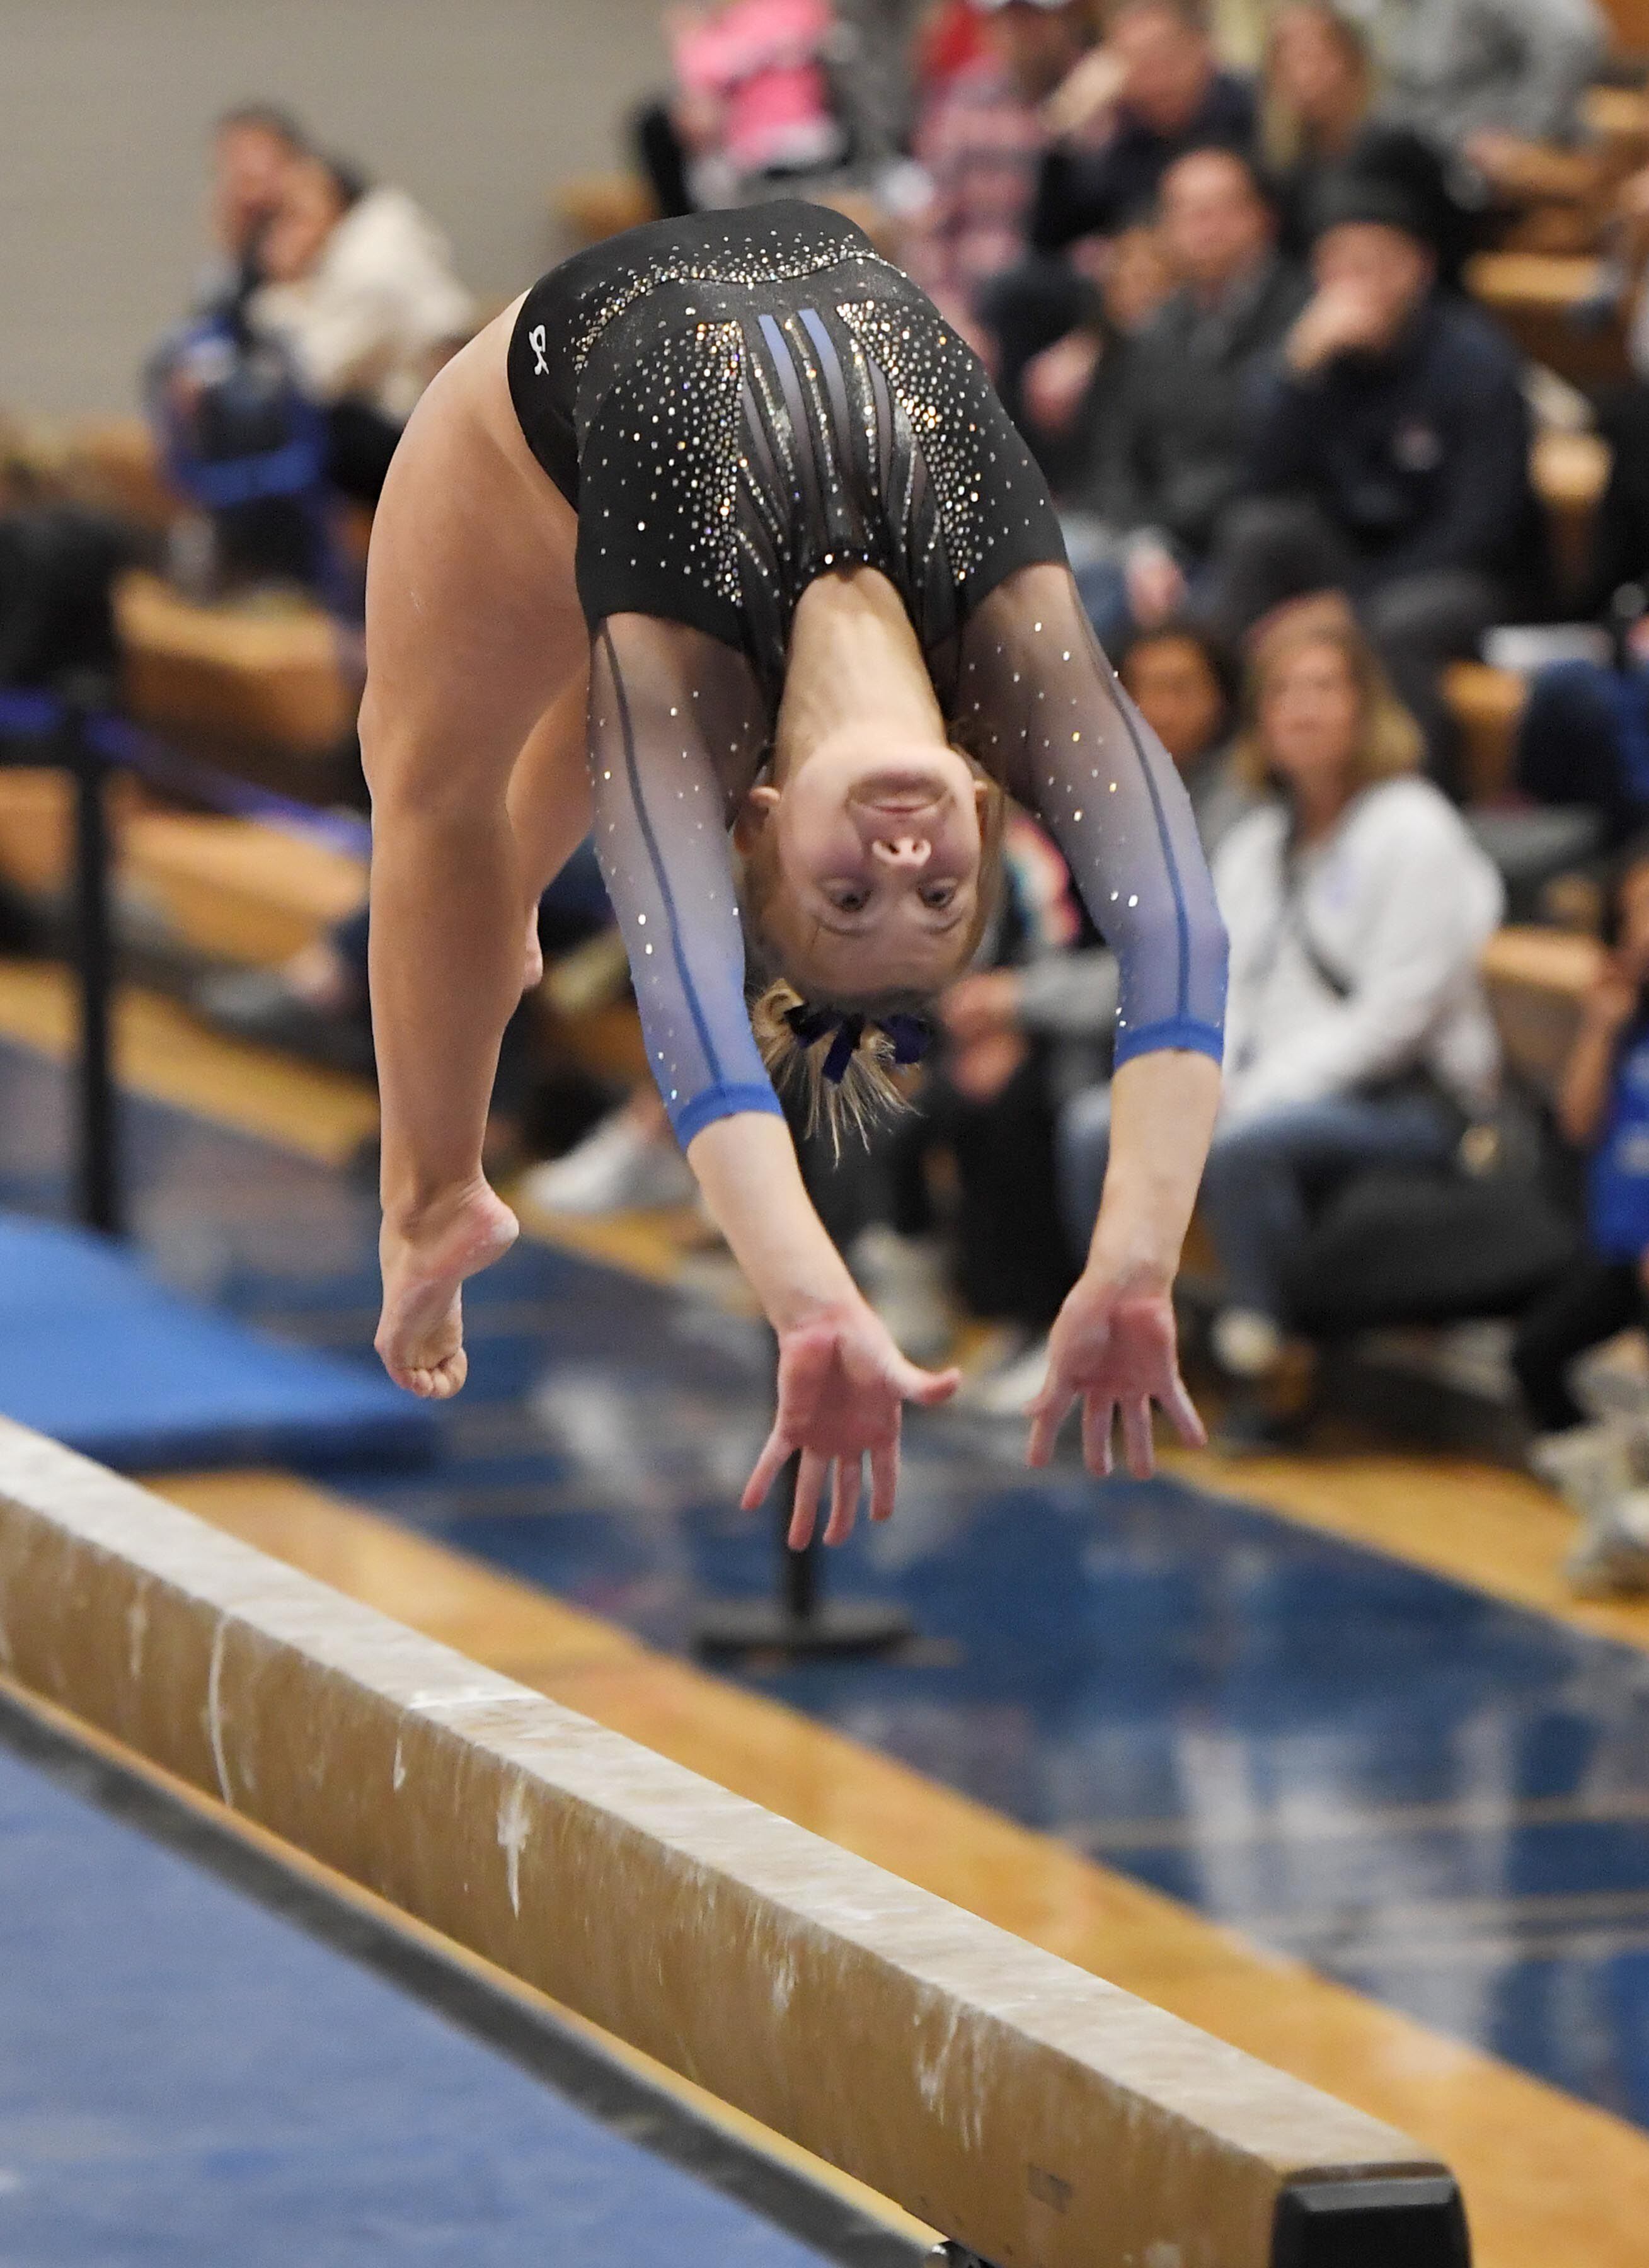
(479, 106)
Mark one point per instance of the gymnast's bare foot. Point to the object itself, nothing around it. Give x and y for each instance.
(421, 1336)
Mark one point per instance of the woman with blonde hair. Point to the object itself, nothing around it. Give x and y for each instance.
(1358, 1033)
(719, 541)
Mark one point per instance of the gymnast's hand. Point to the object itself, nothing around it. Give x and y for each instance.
(842, 1385)
(1113, 1350)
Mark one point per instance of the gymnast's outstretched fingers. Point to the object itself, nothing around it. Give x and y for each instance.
(1113, 1348)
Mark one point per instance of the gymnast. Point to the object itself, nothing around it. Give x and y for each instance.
(718, 546)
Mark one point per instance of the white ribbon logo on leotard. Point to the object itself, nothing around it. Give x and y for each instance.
(536, 339)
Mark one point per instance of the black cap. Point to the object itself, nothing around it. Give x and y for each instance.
(1353, 196)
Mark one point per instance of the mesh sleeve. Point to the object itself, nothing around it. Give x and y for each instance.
(1042, 710)
(674, 718)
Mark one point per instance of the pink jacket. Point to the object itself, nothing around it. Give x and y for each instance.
(760, 60)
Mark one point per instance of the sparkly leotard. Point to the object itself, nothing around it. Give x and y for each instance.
(736, 404)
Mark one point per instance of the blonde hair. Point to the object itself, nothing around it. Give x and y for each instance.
(1388, 740)
(870, 1091)
(1282, 130)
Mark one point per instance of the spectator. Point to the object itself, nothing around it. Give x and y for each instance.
(360, 291)
(1357, 1033)
(1604, 1111)
(1021, 1039)
(1173, 453)
(1153, 93)
(1389, 456)
(1602, 1466)
(980, 144)
(255, 149)
(1583, 739)
(1069, 392)
(752, 103)
(1319, 118)
(1492, 82)
(1184, 685)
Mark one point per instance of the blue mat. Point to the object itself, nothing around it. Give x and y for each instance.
(187, 2082)
(97, 1354)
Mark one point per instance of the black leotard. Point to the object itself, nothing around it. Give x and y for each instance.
(736, 404)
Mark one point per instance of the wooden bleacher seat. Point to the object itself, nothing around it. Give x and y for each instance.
(1487, 704)
(231, 890)
(1570, 472)
(267, 675)
(1535, 295)
(594, 206)
(1537, 980)
(1628, 21)
(228, 889)
(1617, 122)
(37, 823)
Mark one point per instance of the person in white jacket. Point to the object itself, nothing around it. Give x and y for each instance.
(1358, 1033)
(360, 290)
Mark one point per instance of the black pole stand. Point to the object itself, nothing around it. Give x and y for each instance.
(97, 1165)
(797, 1622)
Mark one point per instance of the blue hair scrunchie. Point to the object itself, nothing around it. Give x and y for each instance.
(909, 1035)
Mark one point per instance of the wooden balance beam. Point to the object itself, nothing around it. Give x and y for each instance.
(1042, 2118)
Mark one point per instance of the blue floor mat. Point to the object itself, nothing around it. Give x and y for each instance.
(96, 1354)
(188, 2080)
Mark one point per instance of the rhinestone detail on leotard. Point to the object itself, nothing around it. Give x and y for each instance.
(772, 266)
(936, 379)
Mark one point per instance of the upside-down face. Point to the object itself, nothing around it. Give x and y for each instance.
(867, 861)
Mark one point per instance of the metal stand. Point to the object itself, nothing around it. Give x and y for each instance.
(954, 2255)
(797, 1623)
(97, 1164)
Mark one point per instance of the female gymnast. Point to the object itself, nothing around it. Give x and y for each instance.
(718, 544)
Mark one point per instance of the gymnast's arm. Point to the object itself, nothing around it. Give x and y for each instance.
(672, 713)
(1042, 710)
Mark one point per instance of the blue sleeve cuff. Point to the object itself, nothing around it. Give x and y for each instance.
(703, 1109)
(1184, 1033)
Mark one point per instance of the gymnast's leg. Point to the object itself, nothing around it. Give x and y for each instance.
(476, 654)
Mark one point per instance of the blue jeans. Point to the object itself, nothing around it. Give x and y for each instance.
(1264, 1176)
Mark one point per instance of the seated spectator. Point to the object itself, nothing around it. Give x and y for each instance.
(1153, 92)
(1357, 1035)
(1173, 453)
(1603, 1110)
(1389, 458)
(1020, 1040)
(1494, 84)
(254, 149)
(1319, 118)
(752, 103)
(360, 292)
(1068, 392)
(980, 143)
(1583, 739)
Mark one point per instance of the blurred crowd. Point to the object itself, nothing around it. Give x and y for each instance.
(1218, 259)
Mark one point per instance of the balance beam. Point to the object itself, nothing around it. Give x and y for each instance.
(1039, 2116)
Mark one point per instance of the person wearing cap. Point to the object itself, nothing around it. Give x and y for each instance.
(1388, 455)
(980, 145)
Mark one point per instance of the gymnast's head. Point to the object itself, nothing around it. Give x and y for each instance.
(870, 862)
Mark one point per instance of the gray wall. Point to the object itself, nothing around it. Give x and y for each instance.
(478, 107)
